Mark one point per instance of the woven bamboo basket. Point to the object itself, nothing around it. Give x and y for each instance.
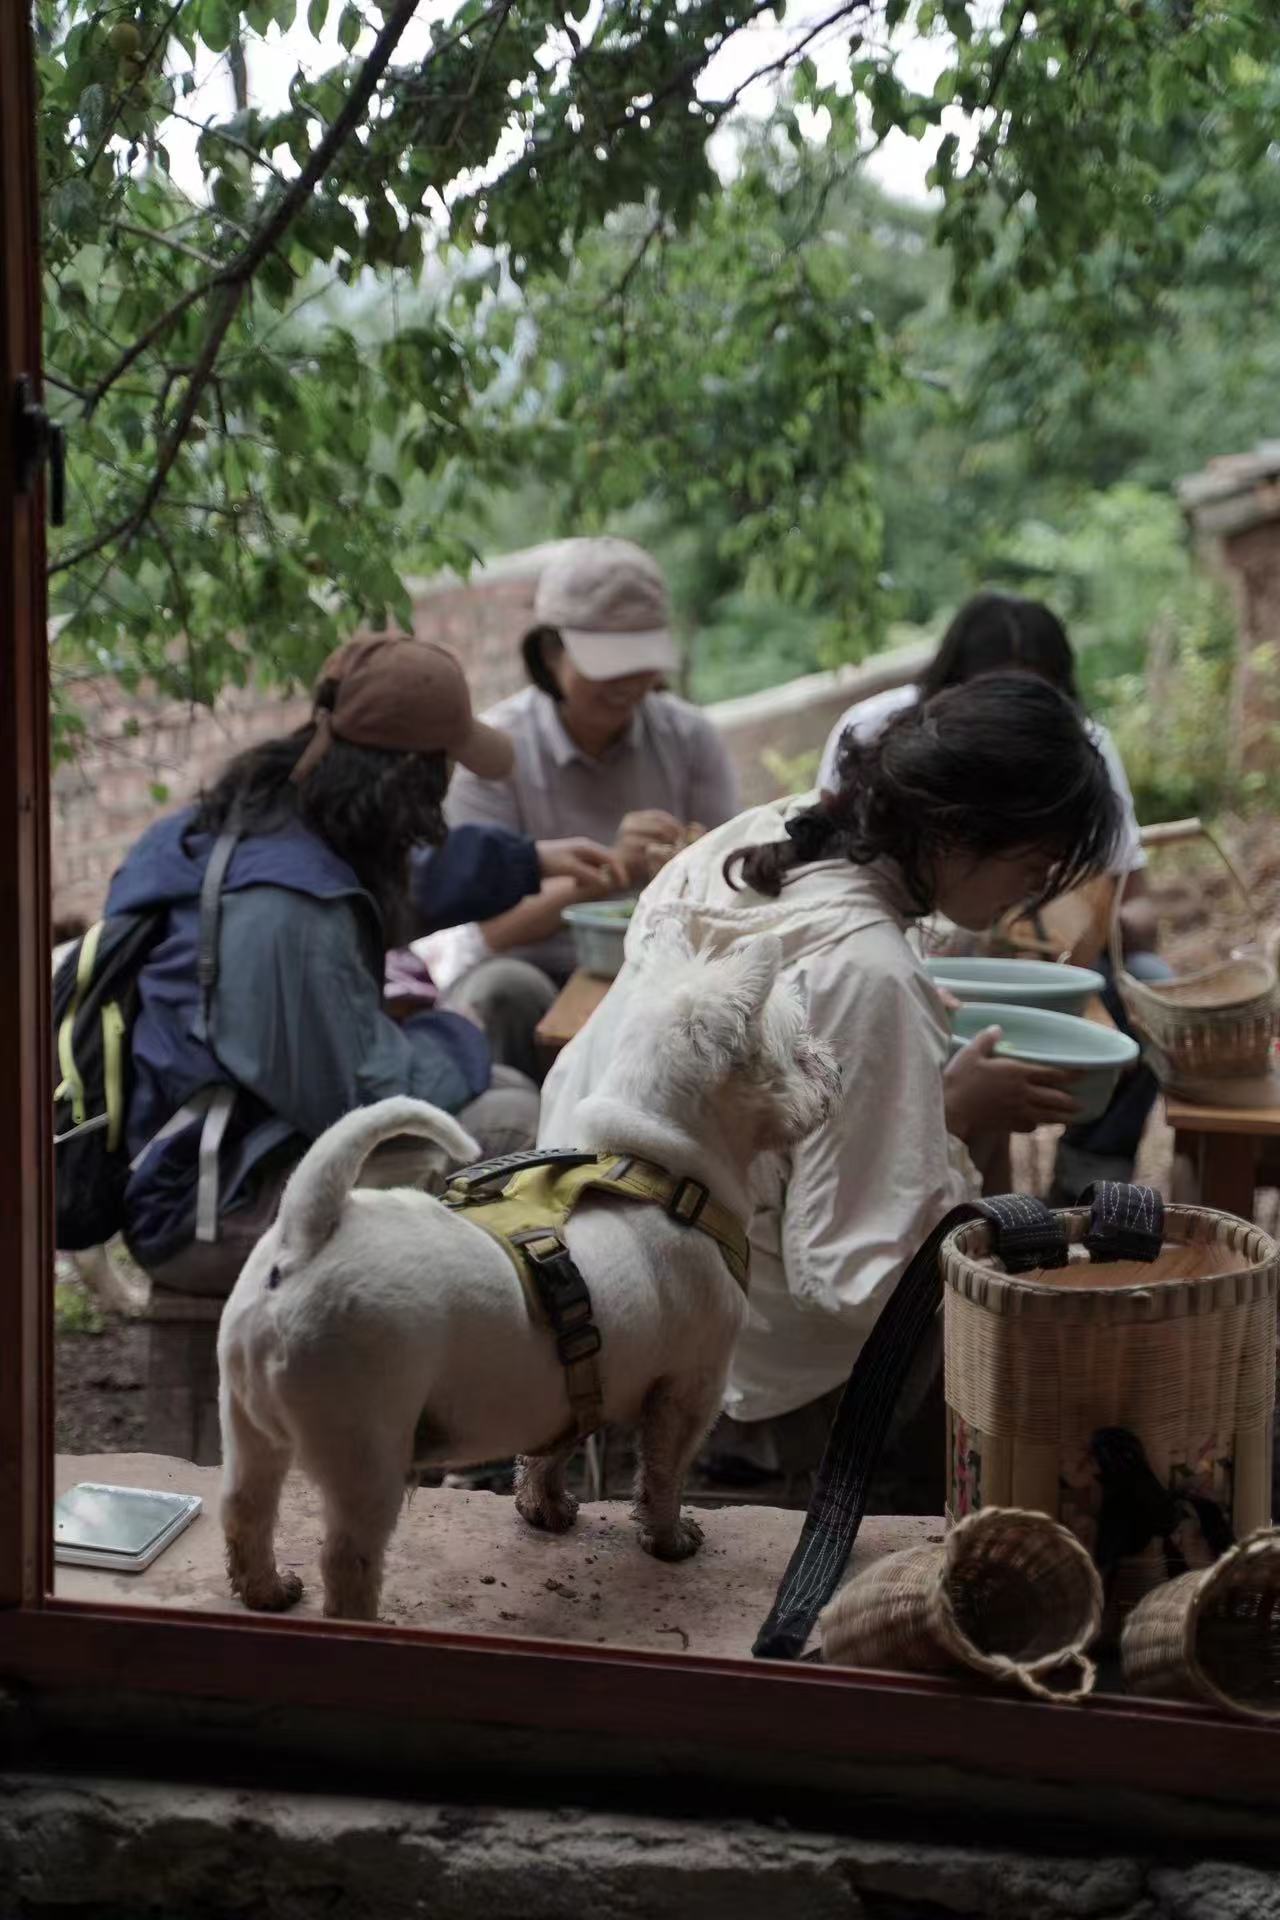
(1010, 1595)
(1213, 1635)
(1220, 1023)
(1066, 1386)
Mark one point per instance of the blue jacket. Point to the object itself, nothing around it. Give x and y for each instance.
(296, 1021)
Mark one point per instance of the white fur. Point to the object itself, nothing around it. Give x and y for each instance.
(361, 1312)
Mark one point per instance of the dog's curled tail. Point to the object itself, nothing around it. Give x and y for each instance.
(320, 1183)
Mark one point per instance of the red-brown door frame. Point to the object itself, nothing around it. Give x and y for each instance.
(25, 1189)
(54, 1650)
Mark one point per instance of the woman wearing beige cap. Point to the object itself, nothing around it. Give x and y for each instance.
(275, 897)
(600, 749)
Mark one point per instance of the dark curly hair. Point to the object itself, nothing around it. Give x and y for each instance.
(371, 805)
(996, 766)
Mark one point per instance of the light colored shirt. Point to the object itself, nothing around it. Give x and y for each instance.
(869, 717)
(837, 1217)
(671, 757)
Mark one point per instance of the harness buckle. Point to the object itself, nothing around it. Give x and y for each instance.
(678, 1207)
(579, 1343)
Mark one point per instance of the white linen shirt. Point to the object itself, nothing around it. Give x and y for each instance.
(837, 1217)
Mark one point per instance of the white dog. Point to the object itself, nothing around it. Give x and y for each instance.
(372, 1332)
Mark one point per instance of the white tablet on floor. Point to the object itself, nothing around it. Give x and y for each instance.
(121, 1529)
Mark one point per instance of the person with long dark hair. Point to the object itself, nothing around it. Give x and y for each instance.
(990, 797)
(997, 632)
(260, 1018)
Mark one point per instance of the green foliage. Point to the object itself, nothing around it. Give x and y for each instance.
(1172, 720)
(75, 1310)
(723, 377)
(504, 259)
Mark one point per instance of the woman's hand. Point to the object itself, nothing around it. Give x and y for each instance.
(984, 1093)
(594, 870)
(646, 840)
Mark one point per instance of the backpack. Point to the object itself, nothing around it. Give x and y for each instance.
(95, 1002)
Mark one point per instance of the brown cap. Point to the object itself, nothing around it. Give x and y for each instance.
(409, 696)
(608, 601)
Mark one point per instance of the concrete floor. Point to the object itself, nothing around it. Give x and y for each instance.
(465, 1563)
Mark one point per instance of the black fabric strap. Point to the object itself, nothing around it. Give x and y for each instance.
(853, 1448)
(1026, 1235)
(211, 920)
(1125, 1222)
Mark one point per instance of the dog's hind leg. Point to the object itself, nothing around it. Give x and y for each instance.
(363, 1487)
(253, 1470)
(542, 1497)
(676, 1416)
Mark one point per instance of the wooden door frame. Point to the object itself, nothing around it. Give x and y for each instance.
(57, 1657)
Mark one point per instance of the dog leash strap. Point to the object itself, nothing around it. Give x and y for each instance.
(1025, 1234)
(853, 1448)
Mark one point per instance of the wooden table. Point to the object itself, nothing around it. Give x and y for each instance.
(1226, 1147)
(569, 1012)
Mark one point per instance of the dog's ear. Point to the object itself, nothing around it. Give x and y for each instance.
(729, 1002)
(755, 974)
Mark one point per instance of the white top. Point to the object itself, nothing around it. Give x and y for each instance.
(869, 717)
(837, 1218)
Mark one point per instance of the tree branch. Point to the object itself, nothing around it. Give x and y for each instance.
(167, 240)
(233, 279)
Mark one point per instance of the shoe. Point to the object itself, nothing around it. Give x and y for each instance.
(499, 1476)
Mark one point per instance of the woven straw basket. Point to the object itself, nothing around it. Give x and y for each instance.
(1213, 1635)
(1080, 1391)
(1010, 1595)
(1218, 1024)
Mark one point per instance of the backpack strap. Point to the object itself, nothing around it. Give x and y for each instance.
(218, 1111)
(211, 923)
(71, 1081)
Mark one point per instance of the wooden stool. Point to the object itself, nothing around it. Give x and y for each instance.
(182, 1376)
(1227, 1147)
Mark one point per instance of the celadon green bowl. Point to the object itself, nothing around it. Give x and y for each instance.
(1096, 1054)
(1017, 983)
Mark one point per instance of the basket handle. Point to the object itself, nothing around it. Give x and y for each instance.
(1173, 833)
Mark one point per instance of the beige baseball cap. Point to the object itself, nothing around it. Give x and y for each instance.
(608, 601)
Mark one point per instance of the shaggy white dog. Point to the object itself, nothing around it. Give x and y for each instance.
(370, 1332)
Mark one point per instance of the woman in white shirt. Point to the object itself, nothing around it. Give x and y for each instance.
(994, 633)
(993, 797)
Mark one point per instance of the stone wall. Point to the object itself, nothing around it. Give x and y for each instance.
(93, 1849)
(144, 755)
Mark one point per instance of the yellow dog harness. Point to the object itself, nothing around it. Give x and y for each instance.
(524, 1201)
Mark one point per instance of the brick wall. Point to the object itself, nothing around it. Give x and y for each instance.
(108, 797)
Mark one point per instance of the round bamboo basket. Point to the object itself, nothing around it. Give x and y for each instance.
(1103, 1393)
(1220, 1023)
(1009, 1595)
(1213, 1635)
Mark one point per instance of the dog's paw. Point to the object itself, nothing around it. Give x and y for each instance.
(677, 1543)
(550, 1513)
(276, 1595)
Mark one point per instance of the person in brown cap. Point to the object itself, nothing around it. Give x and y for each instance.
(601, 749)
(260, 1014)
